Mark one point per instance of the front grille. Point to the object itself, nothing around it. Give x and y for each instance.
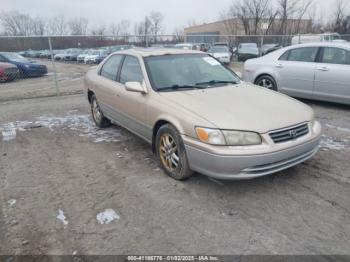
(289, 134)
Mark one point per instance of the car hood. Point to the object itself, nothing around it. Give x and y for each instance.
(25, 62)
(242, 107)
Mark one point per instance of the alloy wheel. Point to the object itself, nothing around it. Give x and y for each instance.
(168, 151)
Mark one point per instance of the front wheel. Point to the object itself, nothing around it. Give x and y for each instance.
(267, 82)
(171, 153)
(99, 119)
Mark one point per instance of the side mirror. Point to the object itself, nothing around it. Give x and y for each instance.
(134, 87)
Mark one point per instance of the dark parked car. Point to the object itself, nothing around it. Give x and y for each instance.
(27, 68)
(8, 72)
(247, 51)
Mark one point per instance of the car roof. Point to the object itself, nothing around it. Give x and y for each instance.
(322, 44)
(145, 52)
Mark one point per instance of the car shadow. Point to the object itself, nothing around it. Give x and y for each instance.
(330, 105)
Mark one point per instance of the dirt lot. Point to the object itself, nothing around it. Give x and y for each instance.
(67, 187)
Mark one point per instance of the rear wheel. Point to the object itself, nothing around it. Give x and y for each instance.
(99, 119)
(171, 153)
(267, 82)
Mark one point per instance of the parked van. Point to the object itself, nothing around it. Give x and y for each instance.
(327, 37)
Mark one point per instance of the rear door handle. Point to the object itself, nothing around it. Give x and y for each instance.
(279, 66)
(323, 68)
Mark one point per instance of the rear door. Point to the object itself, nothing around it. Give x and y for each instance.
(296, 71)
(332, 75)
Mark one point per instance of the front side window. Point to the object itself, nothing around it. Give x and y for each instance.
(2, 59)
(303, 54)
(187, 70)
(332, 55)
(111, 66)
(131, 70)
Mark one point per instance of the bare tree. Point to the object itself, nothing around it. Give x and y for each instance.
(179, 35)
(78, 26)
(16, 24)
(156, 19)
(99, 30)
(38, 26)
(57, 26)
(291, 10)
(250, 14)
(340, 23)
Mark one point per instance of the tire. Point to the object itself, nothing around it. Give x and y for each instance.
(99, 119)
(267, 81)
(174, 163)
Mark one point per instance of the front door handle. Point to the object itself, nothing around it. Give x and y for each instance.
(279, 66)
(323, 68)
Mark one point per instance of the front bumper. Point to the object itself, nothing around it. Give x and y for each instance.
(225, 60)
(242, 167)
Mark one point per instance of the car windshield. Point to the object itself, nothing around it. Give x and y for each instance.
(187, 70)
(249, 45)
(14, 56)
(218, 50)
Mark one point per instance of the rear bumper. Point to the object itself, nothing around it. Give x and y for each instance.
(249, 166)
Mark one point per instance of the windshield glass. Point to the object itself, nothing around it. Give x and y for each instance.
(187, 70)
(14, 56)
(218, 50)
(249, 45)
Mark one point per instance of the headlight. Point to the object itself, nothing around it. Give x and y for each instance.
(240, 138)
(27, 66)
(227, 137)
(210, 136)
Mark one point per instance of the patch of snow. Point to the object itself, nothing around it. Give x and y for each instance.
(12, 202)
(339, 128)
(107, 216)
(62, 217)
(83, 124)
(8, 133)
(332, 143)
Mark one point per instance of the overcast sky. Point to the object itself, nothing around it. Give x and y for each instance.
(177, 13)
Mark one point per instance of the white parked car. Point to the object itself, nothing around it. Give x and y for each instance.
(319, 71)
(81, 57)
(221, 53)
(327, 37)
(95, 57)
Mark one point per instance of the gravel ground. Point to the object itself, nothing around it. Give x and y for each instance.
(67, 187)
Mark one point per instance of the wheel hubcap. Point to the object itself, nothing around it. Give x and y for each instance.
(168, 151)
(265, 83)
(96, 111)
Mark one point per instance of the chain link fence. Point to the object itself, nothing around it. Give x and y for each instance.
(56, 65)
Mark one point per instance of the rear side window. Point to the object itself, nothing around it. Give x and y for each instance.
(303, 54)
(110, 68)
(131, 70)
(332, 55)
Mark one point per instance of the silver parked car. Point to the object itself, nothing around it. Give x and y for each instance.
(319, 71)
(199, 116)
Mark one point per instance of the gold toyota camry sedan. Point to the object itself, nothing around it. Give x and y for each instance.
(199, 116)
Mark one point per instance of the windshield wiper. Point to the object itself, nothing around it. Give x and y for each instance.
(215, 82)
(178, 87)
